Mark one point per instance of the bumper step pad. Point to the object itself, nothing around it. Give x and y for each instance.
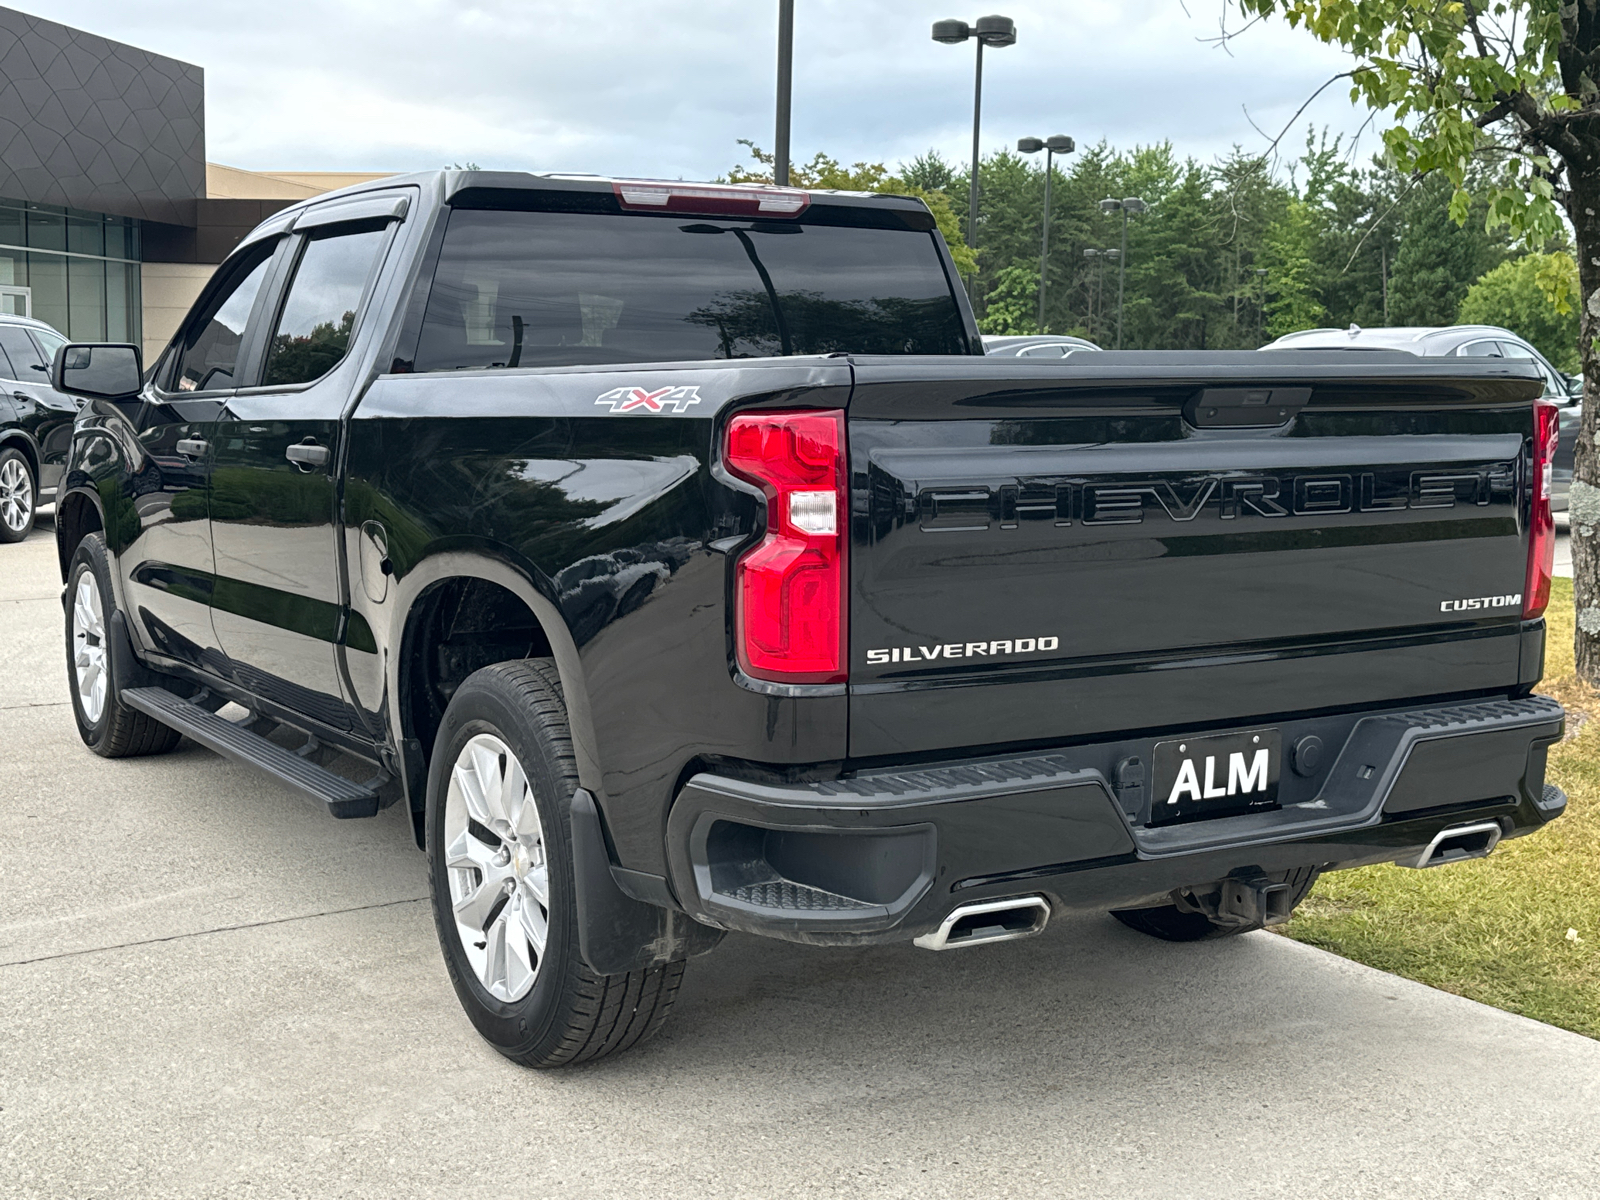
(784, 895)
(343, 797)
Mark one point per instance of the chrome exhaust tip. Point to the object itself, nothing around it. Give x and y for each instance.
(989, 921)
(1460, 843)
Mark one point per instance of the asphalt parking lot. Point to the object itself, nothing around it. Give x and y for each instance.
(207, 988)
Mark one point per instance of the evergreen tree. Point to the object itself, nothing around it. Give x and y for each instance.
(1438, 260)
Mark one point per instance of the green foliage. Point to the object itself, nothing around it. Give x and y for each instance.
(1515, 295)
(1228, 255)
(300, 359)
(1449, 73)
(1287, 253)
(1013, 302)
(929, 172)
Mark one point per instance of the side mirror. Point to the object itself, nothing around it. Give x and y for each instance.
(97, 371)
(1575, 387)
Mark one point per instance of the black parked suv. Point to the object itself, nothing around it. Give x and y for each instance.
(35, 423)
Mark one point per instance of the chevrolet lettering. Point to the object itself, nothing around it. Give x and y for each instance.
(1223, 497)
(673, 559)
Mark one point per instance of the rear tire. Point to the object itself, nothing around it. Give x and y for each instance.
(500, 876)
(1173, 924)
(108, 727)
(19, 495)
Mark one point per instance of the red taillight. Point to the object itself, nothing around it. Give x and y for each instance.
(1541, 524)
(790, 589)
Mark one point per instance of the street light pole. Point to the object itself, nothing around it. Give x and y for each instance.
(1261, 305)
(1059, 144)
(987, 31)
(1097, 291)
(1129, 205)
(780, 149)
(977, 121)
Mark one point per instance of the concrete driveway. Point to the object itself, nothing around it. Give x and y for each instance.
(209, 989)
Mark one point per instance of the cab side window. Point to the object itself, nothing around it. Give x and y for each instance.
(208, 352)
(319, 314)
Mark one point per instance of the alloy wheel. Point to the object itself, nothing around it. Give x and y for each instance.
(16, 495)
(89, 646)
(494, 852)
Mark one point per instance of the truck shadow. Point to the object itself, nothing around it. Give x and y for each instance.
(1083, 996)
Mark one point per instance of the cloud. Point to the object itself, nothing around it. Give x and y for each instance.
(664, 87)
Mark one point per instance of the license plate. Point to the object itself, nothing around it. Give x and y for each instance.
(1215, 776)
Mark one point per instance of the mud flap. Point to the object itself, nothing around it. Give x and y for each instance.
(617, 933)
(126, 669)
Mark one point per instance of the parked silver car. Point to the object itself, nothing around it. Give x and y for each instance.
(1464, 341)
(1035, 345)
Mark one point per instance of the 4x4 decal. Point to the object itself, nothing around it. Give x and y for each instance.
(636, 399)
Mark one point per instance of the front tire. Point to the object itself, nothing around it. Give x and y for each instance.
(108, 727)
(19, 496)
(500, 875)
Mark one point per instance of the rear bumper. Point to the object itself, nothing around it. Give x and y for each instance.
(885, 854)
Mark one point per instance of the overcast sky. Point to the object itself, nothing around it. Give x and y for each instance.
(664, 87)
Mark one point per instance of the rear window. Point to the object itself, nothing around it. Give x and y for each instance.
(564, 289)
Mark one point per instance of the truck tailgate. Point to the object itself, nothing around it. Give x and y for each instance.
(1114, 544)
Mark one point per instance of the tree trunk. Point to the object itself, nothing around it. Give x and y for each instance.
(1584, 503)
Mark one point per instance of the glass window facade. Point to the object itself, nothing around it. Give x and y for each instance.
(81, 269)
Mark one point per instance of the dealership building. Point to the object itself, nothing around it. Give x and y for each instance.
(111, 219)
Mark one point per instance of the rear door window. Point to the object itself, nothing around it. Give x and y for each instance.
(561, 289)
(319, 314)
(1486, 349)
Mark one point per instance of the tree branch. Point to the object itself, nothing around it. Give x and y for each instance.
(1273, 147)
(1371, 229)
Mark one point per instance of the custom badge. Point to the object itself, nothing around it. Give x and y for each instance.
(635, 399)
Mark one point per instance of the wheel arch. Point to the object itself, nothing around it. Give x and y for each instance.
(416, 605)
(77, 515)
(18, 439)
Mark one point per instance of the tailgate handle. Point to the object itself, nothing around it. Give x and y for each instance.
(1230, 408)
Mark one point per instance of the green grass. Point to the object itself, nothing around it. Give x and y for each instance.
(1494, 930)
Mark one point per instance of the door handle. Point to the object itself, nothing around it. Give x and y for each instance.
(307, 455)
(193, 447)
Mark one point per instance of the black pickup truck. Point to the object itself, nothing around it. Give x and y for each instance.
(674, 554)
